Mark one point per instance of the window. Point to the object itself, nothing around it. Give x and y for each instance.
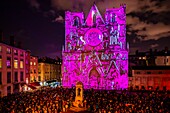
(16, 77)
(31, 71)
(0, 77)
(8, 51)
(21, 64)
(8, 90)
(160, 72)
(30, 63)
(8, 63)
(26, 61)
(0, 61)
(22, 53)
(27, 71)
(0, 48)
(34, 63)
(16, 88)
(165, 61)
(39, 78)
(148, 72)
(21, 76)
(15, 52)
(8, 77)
(76, 21)
(15, 63)
(138, 72)
(34, 71)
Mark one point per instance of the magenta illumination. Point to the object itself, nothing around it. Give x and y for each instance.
(95, 51)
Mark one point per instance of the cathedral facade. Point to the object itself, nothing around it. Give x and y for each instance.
(96, 51)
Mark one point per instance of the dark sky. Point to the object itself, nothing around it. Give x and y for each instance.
(39, 24)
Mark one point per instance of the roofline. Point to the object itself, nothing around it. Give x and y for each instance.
(13, 46)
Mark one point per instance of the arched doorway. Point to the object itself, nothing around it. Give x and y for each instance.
(94, 78)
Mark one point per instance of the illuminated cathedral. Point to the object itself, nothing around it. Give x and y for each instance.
(96, 51)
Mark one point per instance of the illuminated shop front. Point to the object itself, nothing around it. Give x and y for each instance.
(96, 51)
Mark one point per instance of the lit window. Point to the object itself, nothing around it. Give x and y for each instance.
(0, 49)
(8, 50)
(15, 63)
(0, 62)
(30, 63)
(21, 64)
(34, 63)
(8, 63)
(144, 58)
(15, 52)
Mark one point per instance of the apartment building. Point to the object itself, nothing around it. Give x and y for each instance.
(33, 68)
(49, 70)
(13, 68)
(150, 77)
(150, 70)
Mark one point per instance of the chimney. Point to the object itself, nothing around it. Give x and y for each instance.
(137, 52)
(1, 36)
(12, 41)
(19, 44)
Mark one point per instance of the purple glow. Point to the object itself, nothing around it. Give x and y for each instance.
(96, 52)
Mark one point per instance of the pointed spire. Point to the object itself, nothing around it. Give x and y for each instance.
(94, 3)
(93, 16)
(63, 48)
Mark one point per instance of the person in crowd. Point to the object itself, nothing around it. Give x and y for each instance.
(58, 100)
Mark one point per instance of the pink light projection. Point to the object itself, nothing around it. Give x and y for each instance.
(95, 51)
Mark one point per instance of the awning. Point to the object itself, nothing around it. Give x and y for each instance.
(22, 84)
(35, 84)
(50, 81)
(32, 87)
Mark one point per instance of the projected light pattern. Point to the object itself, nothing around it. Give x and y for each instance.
(95, 51)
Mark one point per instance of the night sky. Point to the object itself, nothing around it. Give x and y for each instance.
(39, 24)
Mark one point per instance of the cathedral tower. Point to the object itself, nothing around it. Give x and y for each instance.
(95, 51)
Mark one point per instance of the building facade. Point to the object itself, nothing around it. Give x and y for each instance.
(150, 69)
(150, 77)
(95, 51)
(162, 60)
(49, 70)
(33, 69)
(13, 69)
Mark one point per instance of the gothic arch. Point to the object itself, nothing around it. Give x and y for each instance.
(76, 21)
(94, 72)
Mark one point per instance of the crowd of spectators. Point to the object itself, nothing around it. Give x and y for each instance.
(58, 100)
